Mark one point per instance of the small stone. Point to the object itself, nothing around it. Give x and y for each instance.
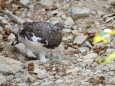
(85, 83)
(59, 81)
(69, 37)
(80, 39)
(46, 83)
(80, 12)
(88, 44)
(111, 67)
(112, 2)
(1, 36)
(1, 29)
(83, 49)
(90, 56)
(2, 78)
(37, 70)
(112, 80)
(67, 30)
(69, 21)
(105, 68)
(22, 84)
(73, 70)
(48, 3)
(64, 16)
(11, 36)
(8, 65)
(24, 2)
(14, 17)
(53, 13)
(8, 26)
(75, 32)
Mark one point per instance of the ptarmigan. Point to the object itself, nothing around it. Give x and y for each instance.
(39, 37)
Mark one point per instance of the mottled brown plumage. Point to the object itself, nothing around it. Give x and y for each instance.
(50, 35)
(39, 37)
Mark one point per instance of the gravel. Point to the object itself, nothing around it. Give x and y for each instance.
(73, 62)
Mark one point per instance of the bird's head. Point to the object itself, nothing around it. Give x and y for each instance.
(59, 26)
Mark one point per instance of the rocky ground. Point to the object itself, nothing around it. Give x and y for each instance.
(73, 62)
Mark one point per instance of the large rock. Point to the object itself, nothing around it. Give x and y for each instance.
(80, 12)
(8, 65)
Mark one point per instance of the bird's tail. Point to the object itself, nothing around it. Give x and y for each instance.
(16, 41)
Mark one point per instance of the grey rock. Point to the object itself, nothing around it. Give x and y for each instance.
(24, 2)
(112, 80)
(1, 29)
(83, 49)
(48, 3)
(90, 56)
(52, 13)
(46, 83)
(14, 17)
(88, 44)
(9, 65)
(69, 21)
(73, 70)
(111, 67)
(85, 83)
(2, 78)
(80, 12)
(59, 81)
(22, 84)
(80, 39)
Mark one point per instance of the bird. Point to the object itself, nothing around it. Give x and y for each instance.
(39, 38)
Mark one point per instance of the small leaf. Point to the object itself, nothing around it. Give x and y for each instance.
(99, 60)
(109, 58)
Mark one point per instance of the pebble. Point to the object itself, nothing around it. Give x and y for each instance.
(80, 39)
(22, 84)
(1, 36)
(69, 21)
(2, 78)
(37, 70)
(46, 83)
(80, 12)
(53, 13)
(73, 70)
(48, 3)
(90, 56)
(24, 2)
(85, 83)
(59, 81)
(14, 17)
(1, 29)
(8, 65)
